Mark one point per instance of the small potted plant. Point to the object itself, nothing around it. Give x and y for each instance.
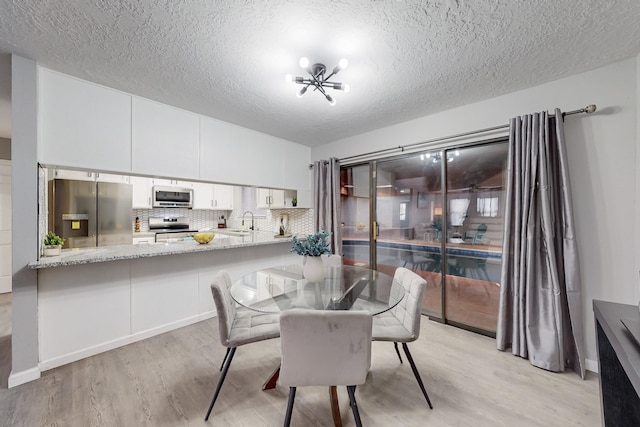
(294, 202)
(52, 244)
(312, 248)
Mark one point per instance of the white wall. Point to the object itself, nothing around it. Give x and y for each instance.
(603, 168)
(5, 226)
(24, 212)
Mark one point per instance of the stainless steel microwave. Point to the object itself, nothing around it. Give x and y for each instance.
(172, 197)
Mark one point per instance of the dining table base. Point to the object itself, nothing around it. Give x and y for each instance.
(270, 383)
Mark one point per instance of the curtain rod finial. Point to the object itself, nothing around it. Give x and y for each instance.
(590, 108)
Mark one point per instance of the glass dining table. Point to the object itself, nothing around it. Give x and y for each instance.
(346, 287)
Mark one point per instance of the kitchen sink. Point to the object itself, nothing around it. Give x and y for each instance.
(233, 232)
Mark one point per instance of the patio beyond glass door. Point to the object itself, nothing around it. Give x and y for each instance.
(408, 209)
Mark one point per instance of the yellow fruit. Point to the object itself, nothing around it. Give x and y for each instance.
(203, 237)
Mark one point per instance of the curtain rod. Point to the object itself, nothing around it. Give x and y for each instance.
(588, 109)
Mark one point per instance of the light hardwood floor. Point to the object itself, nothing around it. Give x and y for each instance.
(168, 380)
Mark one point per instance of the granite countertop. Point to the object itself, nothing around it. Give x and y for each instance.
(115, 253)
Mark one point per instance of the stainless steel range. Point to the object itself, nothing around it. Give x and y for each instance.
(171, 229)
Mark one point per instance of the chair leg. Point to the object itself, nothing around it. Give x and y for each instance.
(395, 345)
(292, 397)
(416, 373)
(351, 389)
(225, 358)
(221, 380)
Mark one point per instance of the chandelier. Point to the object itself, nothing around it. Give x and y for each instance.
(318, 80)
(435, 158)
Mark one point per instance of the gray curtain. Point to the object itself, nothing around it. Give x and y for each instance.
(540, 314)
(326, 186)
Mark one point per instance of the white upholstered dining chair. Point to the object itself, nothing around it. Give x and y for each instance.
(401, 324)
(324, 348)
(237, 326)
(332, 260)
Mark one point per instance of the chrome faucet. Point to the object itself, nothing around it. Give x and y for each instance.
(243, 215)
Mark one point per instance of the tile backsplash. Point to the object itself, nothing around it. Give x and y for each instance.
(300, 220)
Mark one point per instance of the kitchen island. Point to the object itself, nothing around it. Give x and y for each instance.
(96, 299)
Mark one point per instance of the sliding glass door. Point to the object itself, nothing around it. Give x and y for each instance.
(408, 209)
(438, 213)
(475, 205)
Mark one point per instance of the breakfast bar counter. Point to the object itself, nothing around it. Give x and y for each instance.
(71, 257)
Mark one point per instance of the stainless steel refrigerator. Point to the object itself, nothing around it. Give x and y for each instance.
(88, 213)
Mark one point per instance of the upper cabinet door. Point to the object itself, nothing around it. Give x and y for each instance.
(203, 195)
(263, 160)
(165, 140)
(83, 124)
(141, 192)
(223, 197)
(297, 174)
(223, 149)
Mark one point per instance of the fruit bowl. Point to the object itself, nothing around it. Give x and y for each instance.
(203, 238)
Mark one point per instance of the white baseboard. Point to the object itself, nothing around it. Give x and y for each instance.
(591, 365)
(45, 365)
(22, 377)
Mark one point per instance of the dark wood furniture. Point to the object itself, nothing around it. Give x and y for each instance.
(619, 364)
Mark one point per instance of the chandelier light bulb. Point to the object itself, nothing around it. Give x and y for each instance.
(319, 79)
(428, 155)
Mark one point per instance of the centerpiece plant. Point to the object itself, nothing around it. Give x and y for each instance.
(312, 248)
(314, 245)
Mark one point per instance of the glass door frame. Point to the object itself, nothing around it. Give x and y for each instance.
(443, 149)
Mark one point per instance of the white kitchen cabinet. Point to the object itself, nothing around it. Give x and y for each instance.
(165, 140)
(297, 174)
(171, 183)
(162, 181)
(223, 197)
(223, 149)
(212, 196)
(270, 198)
(141, 190)
(263, 160)
(73, 174)
(202, 195)
(83, 124)
(111, 177)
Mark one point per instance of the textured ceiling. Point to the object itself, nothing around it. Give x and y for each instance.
(227, 59)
